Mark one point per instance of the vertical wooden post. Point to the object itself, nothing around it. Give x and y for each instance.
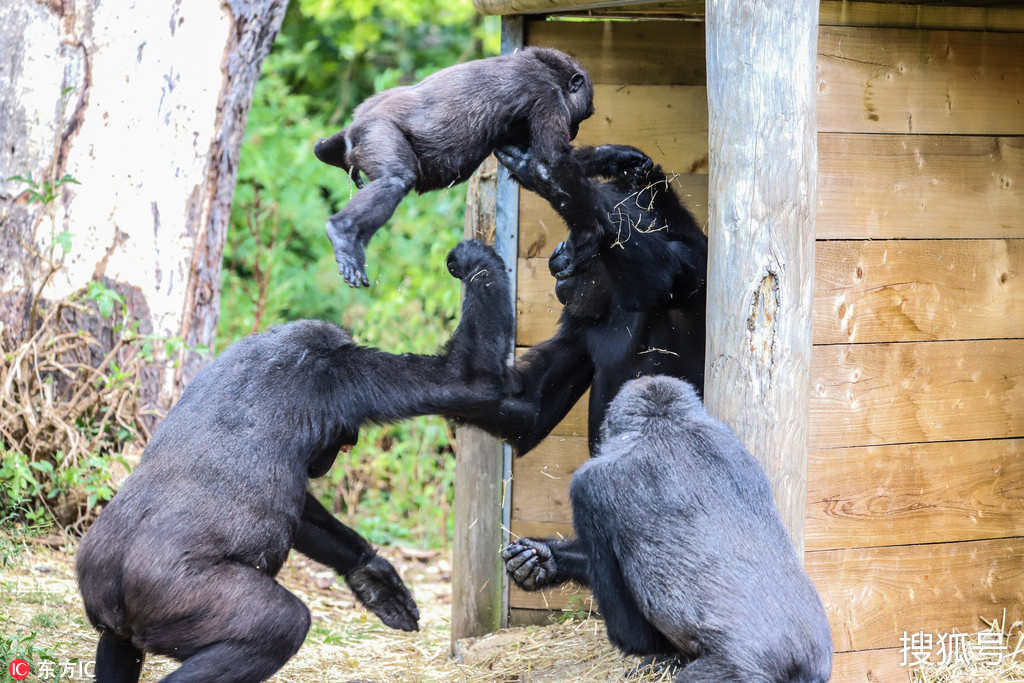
(762, 191)
(476, 570)
(479, 591)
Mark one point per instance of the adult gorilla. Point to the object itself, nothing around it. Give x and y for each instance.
(635, 309)
(684, 549)
(182, 561)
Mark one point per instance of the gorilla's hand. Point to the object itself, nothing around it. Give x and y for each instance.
(519, 162)
(484, 340)
(625, 162)
(533, 174)
(472, 259)
(379, 588)
(530, 563)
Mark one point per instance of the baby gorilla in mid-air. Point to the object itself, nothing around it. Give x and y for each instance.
(183, 559)
(683, 547)
(435, 133)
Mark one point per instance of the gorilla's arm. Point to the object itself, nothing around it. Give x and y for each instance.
(548, 379)
(569, 191)
(542, 563)
(374, 581)
(567, 183)
(469, 379)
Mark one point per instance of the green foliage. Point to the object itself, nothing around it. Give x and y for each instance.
(279, 265)
(16, 645)
(43, 191)
(577, 609)
(21, 484)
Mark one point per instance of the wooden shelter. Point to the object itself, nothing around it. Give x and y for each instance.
(860, 170)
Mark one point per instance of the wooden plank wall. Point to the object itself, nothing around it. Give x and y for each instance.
(916, 474)
(916, 471)
(653, 99)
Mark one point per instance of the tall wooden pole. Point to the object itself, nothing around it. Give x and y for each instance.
(482, 470)
(762, 191)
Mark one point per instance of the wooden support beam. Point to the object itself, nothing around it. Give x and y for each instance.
(483, 467)
(479, 470)
(762, 193)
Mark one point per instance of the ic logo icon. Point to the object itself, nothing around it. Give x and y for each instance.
(18, 669)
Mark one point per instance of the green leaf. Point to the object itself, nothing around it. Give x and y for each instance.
(63, 240)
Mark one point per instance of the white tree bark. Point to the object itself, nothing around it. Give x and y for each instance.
(144, 104)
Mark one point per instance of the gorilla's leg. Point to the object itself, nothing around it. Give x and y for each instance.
(392, 174)
(249, 626)
(715, 668)
(117, 660)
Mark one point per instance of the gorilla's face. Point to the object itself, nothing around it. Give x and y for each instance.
(634, 274)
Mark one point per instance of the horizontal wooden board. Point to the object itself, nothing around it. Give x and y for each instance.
(568, 596)
(894, 15)
(918, 290)
(540, 479)
(540, 228)
(527, 529)
(875, 394)
(874, 666)
(668, 122)
(537, 307)
(914, 493)
(619, 52)
(882, 80)
(874, 595)
(920, 186)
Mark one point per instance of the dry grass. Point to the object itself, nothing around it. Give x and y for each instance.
(973, 668)
(345, 643)
(64, 397)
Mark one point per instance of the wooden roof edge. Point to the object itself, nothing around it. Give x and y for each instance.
(502, 7)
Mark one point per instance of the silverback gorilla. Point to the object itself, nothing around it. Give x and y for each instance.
(434, 134)
(182, 561)
(715, 581)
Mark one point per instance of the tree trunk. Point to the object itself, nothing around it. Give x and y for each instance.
(143, 105)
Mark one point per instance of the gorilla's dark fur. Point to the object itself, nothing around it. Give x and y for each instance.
(435, 133)
(182, 561)
(683, 547)
(636, 308)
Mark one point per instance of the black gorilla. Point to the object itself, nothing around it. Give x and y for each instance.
(636, 308)
(435, 133)
(714, 578)
(182, 561)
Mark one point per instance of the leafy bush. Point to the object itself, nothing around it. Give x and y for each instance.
(69, 411)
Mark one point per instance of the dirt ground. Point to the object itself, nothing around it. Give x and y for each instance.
(345, 642)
